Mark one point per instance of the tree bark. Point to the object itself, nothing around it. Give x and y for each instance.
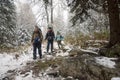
(113, 11)
(51, 11)
(46, 9)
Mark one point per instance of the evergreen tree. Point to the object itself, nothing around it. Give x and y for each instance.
(7, 22)
(80, 9)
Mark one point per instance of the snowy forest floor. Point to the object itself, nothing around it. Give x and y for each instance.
(21, 66)
(12, 64)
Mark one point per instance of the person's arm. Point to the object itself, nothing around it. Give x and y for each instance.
(46, 36)
(61, 37)
(56, 37)
(53, 35)
(41, 36)
(32, 38)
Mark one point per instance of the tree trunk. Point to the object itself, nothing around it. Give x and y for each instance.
(46, 9)
(51, 11)
(113, 11)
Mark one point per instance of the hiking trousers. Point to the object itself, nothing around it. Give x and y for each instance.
(50, 42)
(59, 44)
(35, 47)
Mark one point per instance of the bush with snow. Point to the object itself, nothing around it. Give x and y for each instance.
(23, 36)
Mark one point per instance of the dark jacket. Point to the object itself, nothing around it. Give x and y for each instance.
(50, 35)
(37, 34)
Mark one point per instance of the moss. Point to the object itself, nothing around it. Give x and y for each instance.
(101, 35)
(111, 52)
(48, 63)
(78, 69)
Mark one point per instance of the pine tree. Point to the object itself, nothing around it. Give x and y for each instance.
(80, 9)
(7, 22)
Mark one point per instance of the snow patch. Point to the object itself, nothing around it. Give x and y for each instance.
(62, 54)
(97, 41)
(90, 51)
(116, 78)
(107, 62)
(30, 76)
(9, 61)
(93, 49)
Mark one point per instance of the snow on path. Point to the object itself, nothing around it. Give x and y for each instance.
(90, 51)
(9, 62)
(105, 61)
(32, 77)
(116, 78)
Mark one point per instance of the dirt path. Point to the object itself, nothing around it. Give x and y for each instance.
(21, 66)
(12, 64)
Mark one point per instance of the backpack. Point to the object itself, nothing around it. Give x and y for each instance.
(37, 40)
(61, 37)
(50, 36)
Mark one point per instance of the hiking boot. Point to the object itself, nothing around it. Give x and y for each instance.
(40, 57)
(47, 53)
(52, 51)
(34, 58)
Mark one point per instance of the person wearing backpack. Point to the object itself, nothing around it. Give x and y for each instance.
(50, 38)
(36, 40)
(59, 38)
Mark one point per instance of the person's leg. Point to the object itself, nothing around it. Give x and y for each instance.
(34, 51)
(61, 44)
(48, 45)
(51, 45)
(58, 42)
(40, 50)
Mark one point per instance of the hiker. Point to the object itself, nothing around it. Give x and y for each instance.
(36, 40)
(59, 38)
(50, 38)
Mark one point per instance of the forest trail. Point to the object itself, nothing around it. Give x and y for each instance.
(20, 65)
(14, 62)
